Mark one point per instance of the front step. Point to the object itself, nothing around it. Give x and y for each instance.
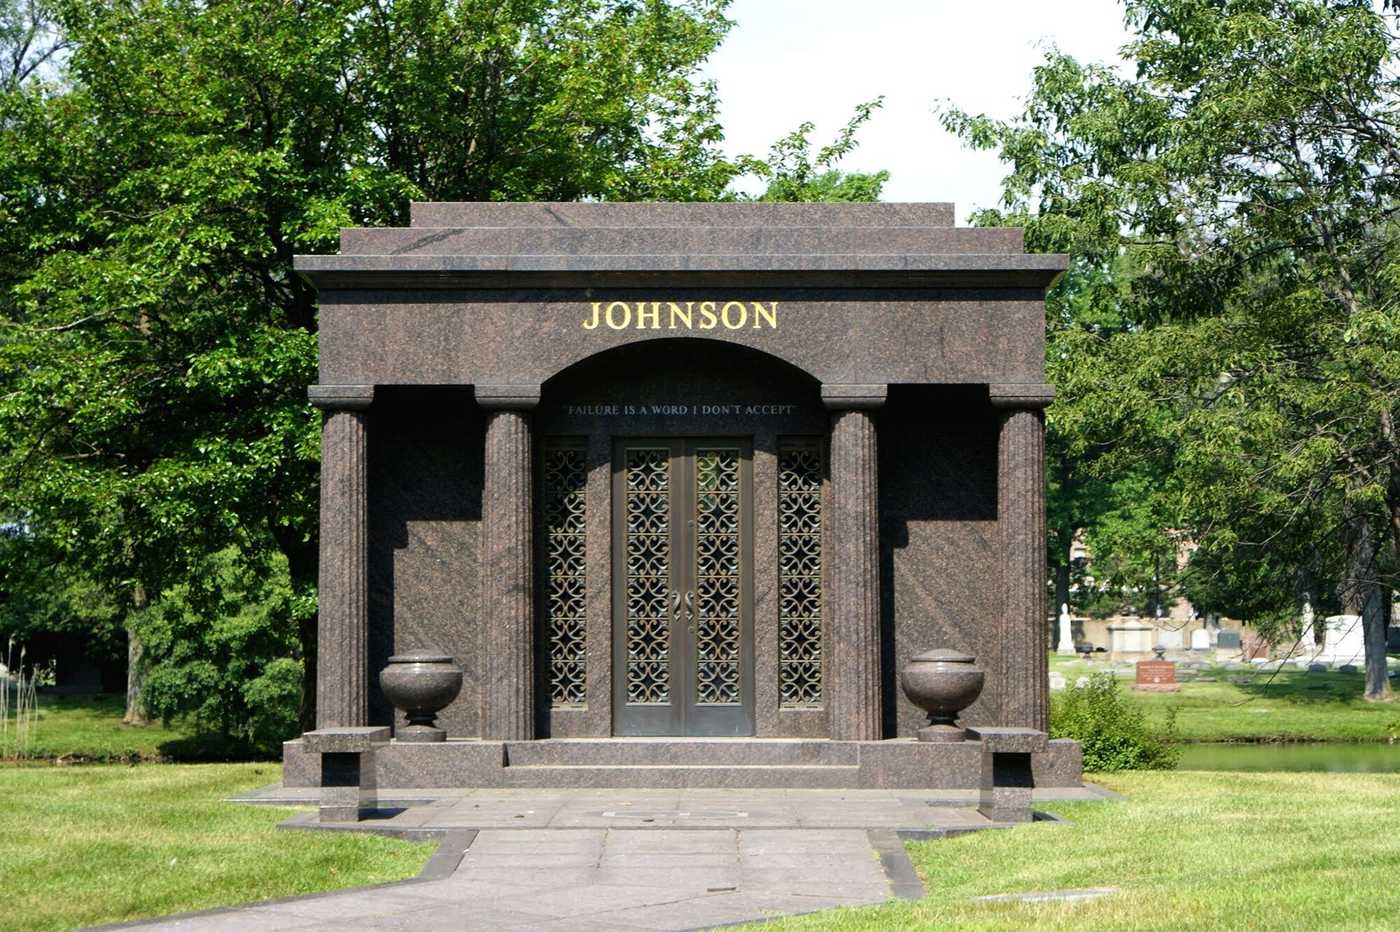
(685, 762)
(665, 776)
(682, 752)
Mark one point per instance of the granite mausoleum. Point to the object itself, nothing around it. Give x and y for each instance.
(682, 488)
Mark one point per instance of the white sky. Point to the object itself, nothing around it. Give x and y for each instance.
(786, 61)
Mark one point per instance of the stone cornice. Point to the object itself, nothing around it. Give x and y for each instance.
(524, 397)
(840, 397)
(341, 397)
(1021, 395)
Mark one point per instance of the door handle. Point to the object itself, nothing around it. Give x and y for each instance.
(690, 608)
(675, 602)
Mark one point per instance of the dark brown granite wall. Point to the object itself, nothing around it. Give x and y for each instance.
(895, 335)
(425, 484)
(941, 567)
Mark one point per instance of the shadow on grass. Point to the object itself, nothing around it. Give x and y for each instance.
(204, 748)
(1303, 688)
(78, 728)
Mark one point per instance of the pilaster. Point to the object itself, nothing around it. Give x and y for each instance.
(1025, 686)
(854, 567)
(507, 556)
(342, 634)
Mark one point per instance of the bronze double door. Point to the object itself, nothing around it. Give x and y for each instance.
(682, 557)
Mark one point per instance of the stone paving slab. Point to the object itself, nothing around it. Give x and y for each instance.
(599, 878)
(624, 859)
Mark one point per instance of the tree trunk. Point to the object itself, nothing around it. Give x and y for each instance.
(136, 712)
(1061, 587)
(1361, 595)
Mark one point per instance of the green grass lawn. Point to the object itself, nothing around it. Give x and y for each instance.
(96, 844)
(89, 728)
(1185, 850)
(1287, 706)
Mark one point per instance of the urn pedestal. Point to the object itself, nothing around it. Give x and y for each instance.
(421, 684)
(942, 683)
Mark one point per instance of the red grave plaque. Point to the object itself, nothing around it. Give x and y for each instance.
(1157, 676)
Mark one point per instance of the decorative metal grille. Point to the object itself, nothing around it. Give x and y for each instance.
(717, 576)
(566, 574)
(648, 514)
(800, 574)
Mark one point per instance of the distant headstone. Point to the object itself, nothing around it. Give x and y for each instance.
(1130, 637)
(1348, 668)
(1171, 638)
(1227, 639)
(1317, 668)
(1156, 676)
(1057, 680)
(1200, 639)
(1345, 641)
(1066, 644)
(1241, 680)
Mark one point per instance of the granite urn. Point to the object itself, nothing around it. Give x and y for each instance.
(421, 684)
(942, 683)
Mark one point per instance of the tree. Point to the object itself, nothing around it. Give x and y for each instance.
(154, 344)
(28, 41)
(792, 173)
(1233, 202)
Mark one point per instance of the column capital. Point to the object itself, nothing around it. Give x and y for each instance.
(508, 397)
(340, 397)
(1021, 395)
(848, 397)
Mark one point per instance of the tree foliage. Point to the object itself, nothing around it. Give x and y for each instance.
(793, 173)
(1230, 321)
(160, 164)
(154, 344)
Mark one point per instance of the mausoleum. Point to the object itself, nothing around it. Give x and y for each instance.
(682, 489)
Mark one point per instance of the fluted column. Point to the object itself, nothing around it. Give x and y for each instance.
(342, 633)
(1021, 516)
(507, 559)
(854, 671)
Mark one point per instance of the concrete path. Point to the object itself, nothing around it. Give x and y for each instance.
(623, 859)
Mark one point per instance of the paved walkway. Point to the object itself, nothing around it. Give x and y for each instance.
(624, 859)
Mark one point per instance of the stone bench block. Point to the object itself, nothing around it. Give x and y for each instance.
(1007, 776)
(349, 790)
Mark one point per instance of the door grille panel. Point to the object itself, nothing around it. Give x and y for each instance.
(566, 576)
(717, 598)
(800, 574)
(647, 491)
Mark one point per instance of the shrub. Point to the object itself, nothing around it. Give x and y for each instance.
(224, 652)
(1113, 734)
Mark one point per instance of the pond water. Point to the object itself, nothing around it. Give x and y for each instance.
(1314, 756)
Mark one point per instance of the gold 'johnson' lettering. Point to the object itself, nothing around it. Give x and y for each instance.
(691, 315)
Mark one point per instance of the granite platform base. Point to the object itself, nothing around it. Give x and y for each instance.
(663, 763)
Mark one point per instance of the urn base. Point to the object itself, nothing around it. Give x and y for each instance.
(941, 733)
(419, 734)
